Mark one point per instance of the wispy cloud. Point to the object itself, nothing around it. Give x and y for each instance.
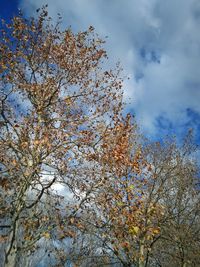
(158, 43)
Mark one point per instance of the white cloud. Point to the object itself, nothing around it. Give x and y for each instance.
(158, 43)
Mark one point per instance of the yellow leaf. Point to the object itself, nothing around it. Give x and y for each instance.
(28, 237)
(131, 187)
(134, 230)
(37, 142)
(46, 235)
(120, 203)
(68, 101)
(156, 231)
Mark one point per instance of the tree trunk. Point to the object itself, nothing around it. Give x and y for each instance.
(141, 254)
(11, 258)
(11, 251)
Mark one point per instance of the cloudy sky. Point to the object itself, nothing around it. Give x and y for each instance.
(158, 44)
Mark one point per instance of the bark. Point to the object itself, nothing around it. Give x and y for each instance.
(11, 259)
(141, 255)
(11, 251)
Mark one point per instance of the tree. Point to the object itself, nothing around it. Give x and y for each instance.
(56, 104)
(148, 213)
(177, 174)
(128, 223)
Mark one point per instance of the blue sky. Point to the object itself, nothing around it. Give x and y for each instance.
(8, 8)
(158, 44)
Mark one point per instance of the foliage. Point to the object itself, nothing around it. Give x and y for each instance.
(55, 104)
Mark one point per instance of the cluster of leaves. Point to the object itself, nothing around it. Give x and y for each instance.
(54, 99)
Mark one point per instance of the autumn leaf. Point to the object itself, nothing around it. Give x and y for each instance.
(68, 101)
(46, 235)
(3, 238)
(134, 230)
